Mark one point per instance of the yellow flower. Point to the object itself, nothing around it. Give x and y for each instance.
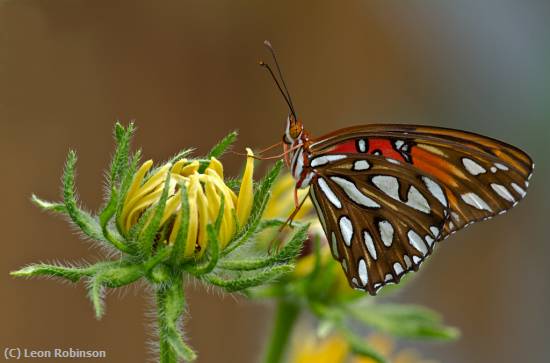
(335, 349)
(205, 191)
(332, 350)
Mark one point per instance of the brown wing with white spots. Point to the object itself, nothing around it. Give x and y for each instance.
(381, 217)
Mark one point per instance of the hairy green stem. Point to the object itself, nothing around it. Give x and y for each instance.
(286, 315)
(166, 351)
(170, 308)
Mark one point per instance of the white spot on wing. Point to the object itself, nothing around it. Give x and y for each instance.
(493, 169)
(417, 201)
(346, 229)
(501, 166)
(360, 165)
(354, 193)
(329, 193)
(435, 189)
(362, 145)
(369, 244)
(307, 180)
(408, 261)
(474, 200)
(386, 232)
(429, 240)
(416, 241)
(503, 192)
(519, 190)
(362, 269)
(318, 209)
(398, 144)
(334, 245)
(388, 277)
(387, 184)
(393, 161)
(472, 167)
(299, 164)
(398, 268)
(434, 230)
(325, 159)
(417, 259)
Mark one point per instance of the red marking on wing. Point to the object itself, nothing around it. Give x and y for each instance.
(383, 145)
(344, 147)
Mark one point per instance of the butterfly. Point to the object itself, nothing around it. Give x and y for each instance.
(385, 194)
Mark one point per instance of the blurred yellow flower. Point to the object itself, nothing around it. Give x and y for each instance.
(204, 192)
(331, 350)
(281, 205)
(335, 349)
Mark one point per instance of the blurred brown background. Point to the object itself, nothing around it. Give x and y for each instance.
(186, 72)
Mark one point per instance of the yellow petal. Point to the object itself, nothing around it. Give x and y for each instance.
(153, 182)
(244, 201)
(176, 169)
(193, 217)
(216, 166)
(228, 222)
(212, 196)
(203, 221)
(136, 182)
(190, 168)
(139, 207)
(172, 206)
(175, 230)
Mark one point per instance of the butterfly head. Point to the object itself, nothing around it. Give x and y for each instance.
(294, 129)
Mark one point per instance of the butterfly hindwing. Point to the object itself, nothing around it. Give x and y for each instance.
(381, 218)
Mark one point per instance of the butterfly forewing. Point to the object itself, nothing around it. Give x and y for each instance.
(415, 184)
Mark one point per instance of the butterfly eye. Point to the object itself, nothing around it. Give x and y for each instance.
(296, 129)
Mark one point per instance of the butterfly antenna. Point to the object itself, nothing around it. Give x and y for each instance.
(267, 43)
(266, 66)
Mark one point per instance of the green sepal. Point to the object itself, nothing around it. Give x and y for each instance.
(82, 219)
(111, 275)
(409, 321)
(181, 237)
(125, 182)
(261, 197)
(213, 255)
(290, 251)
(220, 148)
(73, 274)
(119, 163)
(147, 236)
(256, 279)
(180, 155)
(49, 206)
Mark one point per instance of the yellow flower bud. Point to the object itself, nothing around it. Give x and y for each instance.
(205, 191)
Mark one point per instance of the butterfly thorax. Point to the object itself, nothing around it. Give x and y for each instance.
(297, 142)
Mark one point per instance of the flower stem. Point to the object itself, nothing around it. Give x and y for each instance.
(286, 315)
(170, 307)
(166, 352)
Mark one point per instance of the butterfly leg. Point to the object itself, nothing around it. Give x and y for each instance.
(275, 244)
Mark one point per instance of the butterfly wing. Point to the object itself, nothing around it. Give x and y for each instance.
(480, 176)
(386, 193)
